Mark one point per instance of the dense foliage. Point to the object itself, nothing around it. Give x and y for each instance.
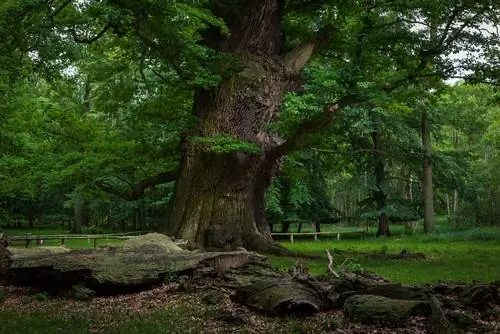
(96, 96)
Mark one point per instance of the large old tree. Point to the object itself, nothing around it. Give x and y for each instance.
(249, 55)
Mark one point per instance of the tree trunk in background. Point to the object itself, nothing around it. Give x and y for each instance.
(218, 202)
(455, 201)
(79, 207)
(142, 214)
(133, 219)
(379, 193)
(429, 225)
(31, 214)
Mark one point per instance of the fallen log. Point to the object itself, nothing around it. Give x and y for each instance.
(282, 297)
(154, 259)
(131, 267)
(377, 310)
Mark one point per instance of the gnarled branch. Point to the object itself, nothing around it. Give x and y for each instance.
(137, 190)
(308, 126)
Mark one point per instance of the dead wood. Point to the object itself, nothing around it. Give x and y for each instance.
(143, 263)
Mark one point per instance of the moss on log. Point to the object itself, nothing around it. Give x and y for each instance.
(116, 269)
(377, 310)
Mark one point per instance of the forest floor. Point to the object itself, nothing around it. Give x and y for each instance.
(162, 310)
(465, 256)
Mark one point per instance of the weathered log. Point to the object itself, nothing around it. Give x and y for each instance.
(439, 321)
(282, 297)
(117, 269)
(377, 310)
(481, 296)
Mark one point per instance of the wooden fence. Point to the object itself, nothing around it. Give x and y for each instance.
(338, 235)
(39, 239)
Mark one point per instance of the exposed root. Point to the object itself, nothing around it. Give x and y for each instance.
(262, 246)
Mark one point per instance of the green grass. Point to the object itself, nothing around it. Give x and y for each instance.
(458, 254)
(38, 322)
(176, 319)
(466, 256)
(452, 256)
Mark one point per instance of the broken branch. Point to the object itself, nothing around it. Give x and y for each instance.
(330, 264)
(311, 125)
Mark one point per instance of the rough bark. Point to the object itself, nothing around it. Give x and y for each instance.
(281, 296)
(427, 187)
(218, 201)
(378, 310)
(139, 264)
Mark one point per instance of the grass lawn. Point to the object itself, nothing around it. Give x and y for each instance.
(459, 257)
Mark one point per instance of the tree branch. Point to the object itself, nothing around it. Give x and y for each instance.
(296, 59)
(137, 190)
(60, 8)
(91, 40)
(308, 126)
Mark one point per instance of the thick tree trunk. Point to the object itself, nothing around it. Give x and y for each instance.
(427, 175)
(215, 204)
(218, 201)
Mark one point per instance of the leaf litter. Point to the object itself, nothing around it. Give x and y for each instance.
(106, 314)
